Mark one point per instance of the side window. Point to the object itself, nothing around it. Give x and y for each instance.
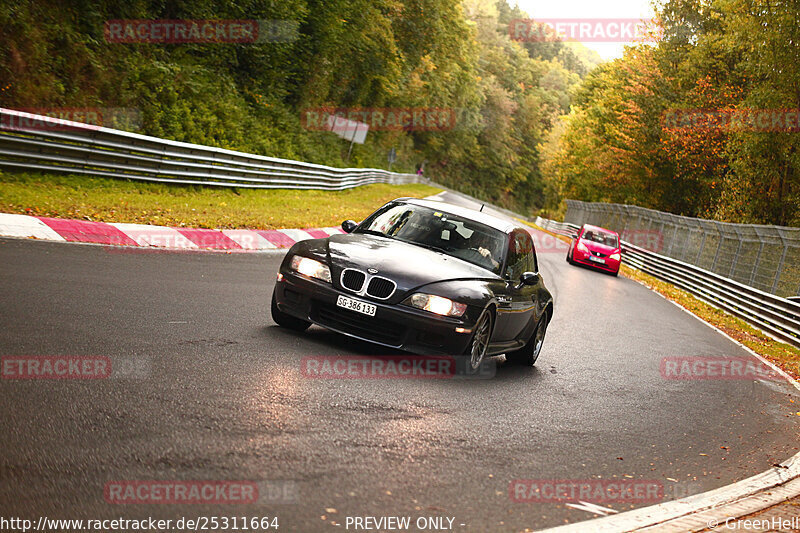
(520, 254)
(534, 263)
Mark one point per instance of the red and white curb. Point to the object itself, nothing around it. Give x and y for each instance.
(142, 235)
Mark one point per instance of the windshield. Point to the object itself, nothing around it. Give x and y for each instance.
(458, 237)
(601, 237)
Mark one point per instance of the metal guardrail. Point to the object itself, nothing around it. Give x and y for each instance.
(761, 256)
(36, 142)
(779, 317)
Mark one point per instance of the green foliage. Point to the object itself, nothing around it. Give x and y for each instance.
(715, 55)
(348, 53)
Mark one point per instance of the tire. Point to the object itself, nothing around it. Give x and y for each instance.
(528, 354)
(569, 258)
(287, 321)
(478, 346)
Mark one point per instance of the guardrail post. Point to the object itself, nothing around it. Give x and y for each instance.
(719, 247)
(755, 265)
(672, 241)
(626, 218)
(702, 245)
(660, 225)
(736, 255)
(87, 156)
(779, 270)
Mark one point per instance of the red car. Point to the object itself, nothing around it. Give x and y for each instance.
(597, 248)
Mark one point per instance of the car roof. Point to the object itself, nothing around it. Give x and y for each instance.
(471, 214)
(598, 228)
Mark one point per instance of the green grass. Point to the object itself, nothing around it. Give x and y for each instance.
(783, 355)
(113, 200)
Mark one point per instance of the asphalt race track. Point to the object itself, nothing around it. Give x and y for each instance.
(218, 395)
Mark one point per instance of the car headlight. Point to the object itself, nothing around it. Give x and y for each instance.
(311, 268)
(436, 304)
(582, 247)
(615, 256)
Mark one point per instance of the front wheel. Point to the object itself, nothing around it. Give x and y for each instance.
(528, 354)
(287, 321)
(480, 342)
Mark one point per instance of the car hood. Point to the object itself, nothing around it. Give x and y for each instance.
(408, 265)
(597, 247)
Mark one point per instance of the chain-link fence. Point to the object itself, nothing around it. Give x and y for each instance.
(764, 257)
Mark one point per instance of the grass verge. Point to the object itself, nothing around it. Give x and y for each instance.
(117, 200)
(783, 355)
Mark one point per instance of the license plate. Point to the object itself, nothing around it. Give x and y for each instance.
(355, 305)
(597, 259)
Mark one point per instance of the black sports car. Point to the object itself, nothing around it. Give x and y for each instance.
(422, 276)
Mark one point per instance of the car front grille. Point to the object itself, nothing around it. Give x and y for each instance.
(381, 288)
(361, 283)
(598, 254)
(353, 280)
(367, 327)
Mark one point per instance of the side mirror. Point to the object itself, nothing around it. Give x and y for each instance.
(528, 278)
(349, 225)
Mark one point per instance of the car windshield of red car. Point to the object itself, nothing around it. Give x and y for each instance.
(601, 237)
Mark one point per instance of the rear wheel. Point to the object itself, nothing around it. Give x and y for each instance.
(528, 354)
(287, 321)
